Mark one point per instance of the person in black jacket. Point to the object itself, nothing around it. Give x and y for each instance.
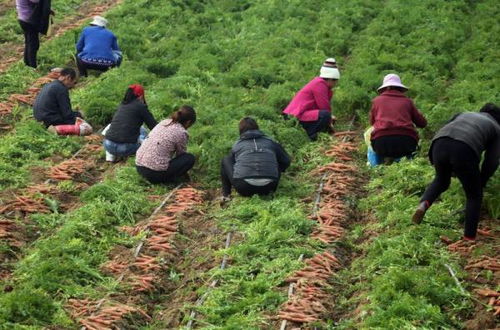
(255, 163)
(125, 134)
(33, 16)
(457, 148)
(52, 106)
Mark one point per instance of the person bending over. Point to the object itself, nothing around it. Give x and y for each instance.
(52, 106)
(97, 48)
(394, 117)
(125, 133)
(255, 163)
(162, 157)
(457, 148)
(311, 105)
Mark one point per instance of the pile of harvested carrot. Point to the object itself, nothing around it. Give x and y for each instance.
(311, 298)
(339, 183)
(9, 233)
(311, 301)
(25, 205)
(68, 169)
(493, 299)
(93, 316)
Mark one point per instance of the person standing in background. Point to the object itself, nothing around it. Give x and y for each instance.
(33, 16)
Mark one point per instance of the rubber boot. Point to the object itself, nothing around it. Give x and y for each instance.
(67, 129)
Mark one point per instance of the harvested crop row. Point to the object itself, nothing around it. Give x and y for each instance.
(311, 299)
(140, 271)
(479, 266)
(29, 97)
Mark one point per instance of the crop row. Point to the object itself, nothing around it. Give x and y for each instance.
(405, 278)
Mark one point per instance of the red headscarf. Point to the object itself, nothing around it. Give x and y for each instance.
(137, 89)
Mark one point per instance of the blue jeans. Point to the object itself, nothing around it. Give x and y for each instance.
(125, 149)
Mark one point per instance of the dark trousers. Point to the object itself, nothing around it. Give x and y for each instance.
(240, 185)
(321, 125)
(31, 43)
(83, 67)
(177, 168)
(394, 146)
(452, 156)
(70, 121)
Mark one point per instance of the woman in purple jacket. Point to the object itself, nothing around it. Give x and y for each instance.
(33, 16)
(311, 105)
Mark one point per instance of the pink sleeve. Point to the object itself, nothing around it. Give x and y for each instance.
(321, 95)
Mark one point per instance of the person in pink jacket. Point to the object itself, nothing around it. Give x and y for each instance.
(311, 105)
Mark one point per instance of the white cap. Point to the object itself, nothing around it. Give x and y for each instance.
(99, 21)
(330, 62)
(329, 73)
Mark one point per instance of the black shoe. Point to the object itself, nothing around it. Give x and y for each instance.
(419, 214)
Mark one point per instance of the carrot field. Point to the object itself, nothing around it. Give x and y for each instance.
(88, 244)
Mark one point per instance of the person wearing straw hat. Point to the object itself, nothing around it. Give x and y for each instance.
(125, 133)
(311, 105)
(97, 48)
(394, 116)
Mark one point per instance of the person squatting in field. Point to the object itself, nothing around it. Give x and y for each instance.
(394, 116)
(255, 163)
(125, 133)
(97, 48)
(456, 149)
(154, 159)
(34, 17)
(52, 106)
(311, 105)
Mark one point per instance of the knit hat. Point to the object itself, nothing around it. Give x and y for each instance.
(99, 21)
(329, 69)
(392, 80)
(137, 89)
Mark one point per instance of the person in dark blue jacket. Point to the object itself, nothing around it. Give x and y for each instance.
(255, 163)
(97, 48)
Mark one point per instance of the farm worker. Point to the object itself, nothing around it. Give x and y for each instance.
(34, 17)
(155, 159)
(52, 106)
(456, 149)
(255, 163)
(97, 48)
(311, 105)
(125, 133)
(394, 117)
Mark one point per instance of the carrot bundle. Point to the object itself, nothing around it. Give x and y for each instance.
(115, 267)
(107, 318)
(25, 205)
(484, 262)
(68, 169)
(311, 298)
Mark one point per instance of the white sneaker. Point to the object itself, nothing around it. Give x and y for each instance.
(110, 157)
